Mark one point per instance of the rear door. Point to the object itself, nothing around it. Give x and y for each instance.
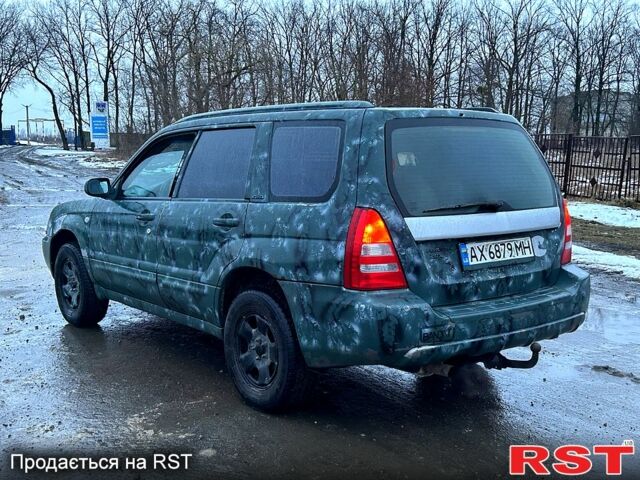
(480, 203)
(201, 229)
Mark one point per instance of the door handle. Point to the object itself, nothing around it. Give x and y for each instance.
(145, 217)
(227, 222)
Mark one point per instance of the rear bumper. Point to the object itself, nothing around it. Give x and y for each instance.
(498, 341)
(338, 327)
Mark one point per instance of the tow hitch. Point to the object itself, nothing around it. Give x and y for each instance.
(490, 360)
(499, 361)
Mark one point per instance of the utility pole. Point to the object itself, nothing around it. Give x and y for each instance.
(28, 131)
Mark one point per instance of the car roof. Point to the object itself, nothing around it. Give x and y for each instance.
(320, 110)
(286, 107)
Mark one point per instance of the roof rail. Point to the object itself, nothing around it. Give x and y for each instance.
(482, 109)
(286, 107)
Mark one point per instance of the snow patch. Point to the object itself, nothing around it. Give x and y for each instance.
(96, 162)
(606, 214)
(611, 262)
(60, 152)
(85, 159)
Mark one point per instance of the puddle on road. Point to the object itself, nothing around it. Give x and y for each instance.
(618, 323)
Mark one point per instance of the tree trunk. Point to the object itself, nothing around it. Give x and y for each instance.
(54, 106)
(576, 114)
(1, 132)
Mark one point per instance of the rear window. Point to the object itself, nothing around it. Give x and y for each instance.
(435, 163)
(219, 165)
(304, 159)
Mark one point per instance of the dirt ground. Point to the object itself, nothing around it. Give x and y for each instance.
(139, 384)
(620, 240)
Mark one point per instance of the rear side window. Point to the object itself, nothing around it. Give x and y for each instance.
(434, 164)
(304, 159)
(219, 165)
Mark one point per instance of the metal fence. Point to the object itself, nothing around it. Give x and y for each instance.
(600, 167)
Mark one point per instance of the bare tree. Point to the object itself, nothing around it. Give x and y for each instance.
(110, 30)
(489, 30)
(430, 44)
(12, 51)
(609, 26)
(65, 23)
(634, 70)
(39, 60)
(576, 21)
(555, 62)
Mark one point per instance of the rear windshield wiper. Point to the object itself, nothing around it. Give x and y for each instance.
(480, 206)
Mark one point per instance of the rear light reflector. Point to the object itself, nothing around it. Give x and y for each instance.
(568, 236)
(379, 267)
(371, 261)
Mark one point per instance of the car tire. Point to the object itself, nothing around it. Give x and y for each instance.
(76, 295)
(262, 353)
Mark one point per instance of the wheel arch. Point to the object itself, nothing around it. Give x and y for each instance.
(244, 278)
(61, 237)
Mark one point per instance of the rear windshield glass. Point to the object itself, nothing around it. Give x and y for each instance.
(457, 166)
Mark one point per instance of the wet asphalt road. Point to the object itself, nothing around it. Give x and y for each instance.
(140, 384)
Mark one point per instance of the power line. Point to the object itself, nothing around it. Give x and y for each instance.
(13, 112)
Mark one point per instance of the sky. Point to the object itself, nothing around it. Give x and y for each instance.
(29, 93)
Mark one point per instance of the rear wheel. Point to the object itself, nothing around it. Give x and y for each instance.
(262, 353)
(77, 298)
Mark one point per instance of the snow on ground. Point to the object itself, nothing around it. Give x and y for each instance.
(611, 262)
(60, 152)
(85, 158)
(31, 143)
(102, 162)
(606, 214)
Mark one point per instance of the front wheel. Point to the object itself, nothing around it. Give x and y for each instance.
(262, 353)
(77, 298)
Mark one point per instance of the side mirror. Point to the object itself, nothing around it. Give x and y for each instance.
(98, 187)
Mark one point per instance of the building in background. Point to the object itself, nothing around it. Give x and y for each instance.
(618, 114)
(8, 136)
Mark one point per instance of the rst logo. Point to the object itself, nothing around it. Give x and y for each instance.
(567, 459)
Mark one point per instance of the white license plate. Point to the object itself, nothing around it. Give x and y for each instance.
(484, 253)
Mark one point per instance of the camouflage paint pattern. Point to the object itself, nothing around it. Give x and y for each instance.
(176, 264)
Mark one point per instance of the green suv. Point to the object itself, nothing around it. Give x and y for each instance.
(329, 234)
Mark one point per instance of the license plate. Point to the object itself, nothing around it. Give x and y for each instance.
(484, 254)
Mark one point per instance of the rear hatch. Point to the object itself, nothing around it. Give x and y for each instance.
(480, 203)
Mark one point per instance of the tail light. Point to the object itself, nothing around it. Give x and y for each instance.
(568, 237)
(371, 261)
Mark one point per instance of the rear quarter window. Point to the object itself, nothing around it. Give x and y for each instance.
(304, 159)
(434, 163)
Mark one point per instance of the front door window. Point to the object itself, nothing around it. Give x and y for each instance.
(153, 176)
